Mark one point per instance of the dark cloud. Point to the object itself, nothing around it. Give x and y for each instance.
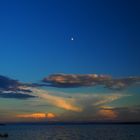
(77, 80)
(24, 90)
(70, 81)
(10, 88)
(16, 95)
(8, 84)
(122, 82)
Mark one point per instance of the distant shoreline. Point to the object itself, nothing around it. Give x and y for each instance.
(72, 123)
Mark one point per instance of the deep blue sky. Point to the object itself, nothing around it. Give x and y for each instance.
(35, 37)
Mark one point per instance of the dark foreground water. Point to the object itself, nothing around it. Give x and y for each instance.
(71, 132)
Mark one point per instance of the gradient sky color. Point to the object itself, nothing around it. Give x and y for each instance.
(35, 41)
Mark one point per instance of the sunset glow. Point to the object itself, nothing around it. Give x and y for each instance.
(108, 113)
(37, 116)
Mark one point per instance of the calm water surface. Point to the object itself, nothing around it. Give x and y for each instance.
(71, 132)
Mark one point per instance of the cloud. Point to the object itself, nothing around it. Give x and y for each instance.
(37, 116)
(11, 94)
(10, 88)
(108, 98)
(107, 114)
(8, 84)
(76, 106)
(76, 102)
(124, 113)
(75, 80)
(60, 102)
(80, 106)
(70, 81)
(78, 80)
(50, 115)
(91, 107)
(121, 83)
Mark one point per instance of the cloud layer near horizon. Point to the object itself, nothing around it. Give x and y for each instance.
(37, 116)
(77, 106)
(10, 88)
(79, 80)
(77, 102)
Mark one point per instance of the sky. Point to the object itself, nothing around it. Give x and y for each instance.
(72, 60)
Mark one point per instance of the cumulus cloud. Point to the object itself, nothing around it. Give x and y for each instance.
(77, 80)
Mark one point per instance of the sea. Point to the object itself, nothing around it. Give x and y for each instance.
(71, 132)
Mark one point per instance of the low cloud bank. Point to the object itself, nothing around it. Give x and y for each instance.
(79, 80)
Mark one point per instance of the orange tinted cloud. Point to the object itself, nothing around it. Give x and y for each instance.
(107, 113)
(61, 102)
(37, 115)
(65, 104)
(107, 99)
(50, 115)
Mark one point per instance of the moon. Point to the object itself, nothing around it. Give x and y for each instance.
(72, 39)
